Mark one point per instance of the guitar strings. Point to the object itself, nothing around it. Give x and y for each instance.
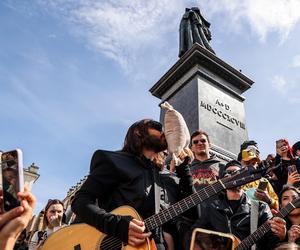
(208, 191)
(182, 205)
(111, 243)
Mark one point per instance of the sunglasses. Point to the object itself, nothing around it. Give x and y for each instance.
(197, 141)
(231, 172)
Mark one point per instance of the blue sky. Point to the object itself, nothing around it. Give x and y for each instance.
(74, 74)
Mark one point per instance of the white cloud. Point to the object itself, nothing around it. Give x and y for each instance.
(263, 16)
(296, 61)
(120, 30)
(125, 31)
(286, 88)
(280, 84)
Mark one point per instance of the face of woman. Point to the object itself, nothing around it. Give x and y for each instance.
(54, 214)
(281, 147)
(287, 197)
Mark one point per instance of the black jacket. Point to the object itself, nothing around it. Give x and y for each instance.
(116, 179)
(218, 216)
(282, 172)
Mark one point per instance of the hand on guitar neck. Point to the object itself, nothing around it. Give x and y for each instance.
(278, 227)
(72, 236)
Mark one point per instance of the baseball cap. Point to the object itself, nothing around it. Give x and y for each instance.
(251, 152)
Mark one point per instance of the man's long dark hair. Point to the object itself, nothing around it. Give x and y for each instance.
(136, 135)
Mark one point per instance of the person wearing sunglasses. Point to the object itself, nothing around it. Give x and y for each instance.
(206, 167)
(230, 212)
(130, 177)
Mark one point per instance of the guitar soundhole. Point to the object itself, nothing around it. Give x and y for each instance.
(110, 243)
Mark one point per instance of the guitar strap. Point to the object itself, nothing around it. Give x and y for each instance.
(157, 194)
(157, 191)
(254, 218)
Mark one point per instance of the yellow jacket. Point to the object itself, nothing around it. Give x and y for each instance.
(273, 196)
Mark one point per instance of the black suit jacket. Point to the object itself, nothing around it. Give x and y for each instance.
(118, 178)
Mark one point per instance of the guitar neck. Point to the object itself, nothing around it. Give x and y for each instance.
(181, 206)
(263, 229)
(196, 198)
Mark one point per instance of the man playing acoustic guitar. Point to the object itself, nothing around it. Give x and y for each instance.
(128, 177)
(231, 213)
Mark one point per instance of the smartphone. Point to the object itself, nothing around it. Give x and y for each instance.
(262, 185)
(292, 168)
(12, 179)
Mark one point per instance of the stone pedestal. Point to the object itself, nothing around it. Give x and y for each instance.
(208, 93)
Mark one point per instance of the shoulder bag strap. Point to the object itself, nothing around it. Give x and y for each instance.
(254, 218)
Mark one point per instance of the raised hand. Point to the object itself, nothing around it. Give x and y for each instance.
(294, 233)
(293, 178)
(13, 222)
(263, 196)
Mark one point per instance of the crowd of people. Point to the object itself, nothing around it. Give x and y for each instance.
(142, 176)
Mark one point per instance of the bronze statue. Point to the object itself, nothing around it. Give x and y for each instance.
(194, 28)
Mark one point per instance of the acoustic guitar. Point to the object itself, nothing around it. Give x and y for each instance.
(246, 243)
(85, 237)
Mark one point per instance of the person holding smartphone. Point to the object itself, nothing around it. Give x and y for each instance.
(286, 173)
(14, 221)
(11, 178)
(54, 219)
(261, 189)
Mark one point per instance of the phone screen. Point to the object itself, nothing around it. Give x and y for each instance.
(262, 185)
(208, 240)
(292, 168)
(11, 178)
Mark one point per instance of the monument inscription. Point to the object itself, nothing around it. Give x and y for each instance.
(221, 113)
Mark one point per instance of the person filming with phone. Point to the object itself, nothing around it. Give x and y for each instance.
(14, 221)
(289, 167)
(260, 189)
(16, 205)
